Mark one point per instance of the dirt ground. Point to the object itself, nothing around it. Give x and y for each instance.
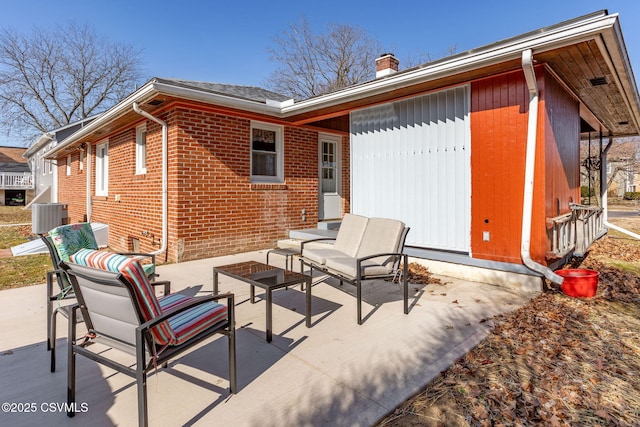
(559, 361)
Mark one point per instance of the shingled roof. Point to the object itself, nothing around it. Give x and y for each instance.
(11, 159)
(249, 93)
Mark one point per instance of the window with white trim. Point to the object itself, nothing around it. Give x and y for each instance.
(69, 165)
(141, 150)
(267, 162)
(81, 164)
(102, 169)
(50, 161)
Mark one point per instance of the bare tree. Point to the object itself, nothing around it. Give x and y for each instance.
(51, 78)
(312, 64)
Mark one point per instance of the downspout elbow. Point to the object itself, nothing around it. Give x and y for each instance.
(530, 162)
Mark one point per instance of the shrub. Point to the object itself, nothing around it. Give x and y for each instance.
(632, 195)
(584, 191)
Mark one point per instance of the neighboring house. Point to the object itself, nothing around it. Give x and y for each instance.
(16, 181)
(45, 172)
(623, 165)
(626, 176)
(472, 151)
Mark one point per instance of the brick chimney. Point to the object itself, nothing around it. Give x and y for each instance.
(386, 64)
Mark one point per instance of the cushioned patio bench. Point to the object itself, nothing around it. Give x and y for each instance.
(365, 248)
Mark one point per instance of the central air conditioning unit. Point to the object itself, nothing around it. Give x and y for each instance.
(46, 216)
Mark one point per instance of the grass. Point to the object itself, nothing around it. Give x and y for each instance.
(628, 267)
(23, 270)
(14, 215)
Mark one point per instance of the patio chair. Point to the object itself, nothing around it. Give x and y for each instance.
(120, 309)
(364, 249)
(62, 242)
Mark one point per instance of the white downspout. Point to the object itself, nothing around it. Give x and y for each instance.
(165, 209)
(603, 194)
(87, 159)
(530, 163)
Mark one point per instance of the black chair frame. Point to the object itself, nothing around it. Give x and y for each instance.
(144, 342)
(359, 278)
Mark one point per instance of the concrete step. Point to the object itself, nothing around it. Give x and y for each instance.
(330, 224)
(312, 233)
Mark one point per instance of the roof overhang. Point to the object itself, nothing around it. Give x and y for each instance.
(596, 38)
(577, 51)
(153, 95)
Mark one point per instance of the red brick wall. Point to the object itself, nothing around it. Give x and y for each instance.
(214, 209)
(346, 175)
(132, 208)
(71, 188)
(217, 209)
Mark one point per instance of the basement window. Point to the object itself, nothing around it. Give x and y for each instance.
(267, 164)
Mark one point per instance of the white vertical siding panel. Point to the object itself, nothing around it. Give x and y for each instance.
(411, 161)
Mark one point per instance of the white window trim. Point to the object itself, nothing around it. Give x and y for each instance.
(279, 130)
(81, 164)
(102, 169)
(50, 166)
(141, 149)
(69, 165)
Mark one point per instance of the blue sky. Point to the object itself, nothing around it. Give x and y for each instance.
(226, 42)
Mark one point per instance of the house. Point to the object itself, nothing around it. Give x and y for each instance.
(45, 172)
(16, 183)
(622, 167)
(478, 153)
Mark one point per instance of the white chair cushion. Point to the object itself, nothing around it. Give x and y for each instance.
(381, 236)
(320, 255)
(350, 235)
(347, 267)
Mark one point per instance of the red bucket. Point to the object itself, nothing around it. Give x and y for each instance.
(579, 283)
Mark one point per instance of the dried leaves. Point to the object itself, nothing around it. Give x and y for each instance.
(558, 361)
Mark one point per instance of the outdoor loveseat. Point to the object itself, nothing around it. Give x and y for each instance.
(365, 248)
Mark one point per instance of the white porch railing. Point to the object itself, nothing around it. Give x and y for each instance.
(575, 231)
(589, 226)
(16, 181)
(563, 239)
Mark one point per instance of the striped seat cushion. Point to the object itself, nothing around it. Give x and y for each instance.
(191, 322)
(178, 328)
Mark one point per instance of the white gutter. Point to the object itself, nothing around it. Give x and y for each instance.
(530, 163)
(107, 117)
(165, 205)
(603, 195)
(550, 38)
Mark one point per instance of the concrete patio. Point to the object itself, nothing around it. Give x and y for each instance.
(335, 373)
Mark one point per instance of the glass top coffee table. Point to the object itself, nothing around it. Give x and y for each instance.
(268, 278)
